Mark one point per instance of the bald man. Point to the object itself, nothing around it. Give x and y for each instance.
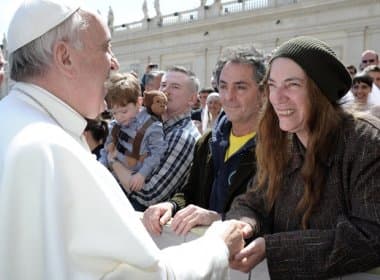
(369, 57)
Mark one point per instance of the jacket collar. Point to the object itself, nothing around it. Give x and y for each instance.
(59, 111)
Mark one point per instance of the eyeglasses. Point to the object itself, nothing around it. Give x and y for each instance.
(368, 61)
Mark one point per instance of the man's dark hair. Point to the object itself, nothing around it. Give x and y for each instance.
(206, 90)
(242, 55)
(362, 78)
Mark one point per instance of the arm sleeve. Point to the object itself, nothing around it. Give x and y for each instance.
(82, 225)
(180, 199)
(155, 146)
(197, 187)
(173, 170)
(353, 245)
(179, 262)
(250, 207)
(212, 264)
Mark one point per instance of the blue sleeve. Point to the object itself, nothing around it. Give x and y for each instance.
(173, 170)
(155, 146)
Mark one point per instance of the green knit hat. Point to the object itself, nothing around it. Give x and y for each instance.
(320, 63)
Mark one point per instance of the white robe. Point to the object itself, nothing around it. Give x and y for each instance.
(374, 97)
(62, 214)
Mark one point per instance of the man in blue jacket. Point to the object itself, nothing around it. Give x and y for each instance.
(224, 159)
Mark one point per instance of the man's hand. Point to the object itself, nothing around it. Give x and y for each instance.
(250, 256)
(191, 216)
(156, 216)
(231, 233)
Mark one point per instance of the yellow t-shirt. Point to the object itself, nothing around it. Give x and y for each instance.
(236, 142)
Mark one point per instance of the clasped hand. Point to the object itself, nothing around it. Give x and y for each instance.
(241, 258)
(251, 255)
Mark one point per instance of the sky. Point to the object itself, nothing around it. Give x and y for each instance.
(125, 11)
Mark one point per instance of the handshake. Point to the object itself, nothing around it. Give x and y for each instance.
(233, 233)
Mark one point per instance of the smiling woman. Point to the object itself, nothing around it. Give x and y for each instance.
(318, 166)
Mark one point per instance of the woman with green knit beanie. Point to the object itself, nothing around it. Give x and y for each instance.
(313, 209)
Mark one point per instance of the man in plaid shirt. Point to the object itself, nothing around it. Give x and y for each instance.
(181, 87)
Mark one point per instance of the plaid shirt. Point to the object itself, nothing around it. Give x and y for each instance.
(181, 136)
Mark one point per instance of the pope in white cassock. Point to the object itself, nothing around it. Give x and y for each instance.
(62, 214)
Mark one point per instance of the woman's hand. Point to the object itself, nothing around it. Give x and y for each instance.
(250, 256)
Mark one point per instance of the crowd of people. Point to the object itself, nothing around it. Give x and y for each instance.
(280, 157)
(364, 96)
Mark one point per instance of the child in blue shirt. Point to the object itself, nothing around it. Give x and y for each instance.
(136, 136)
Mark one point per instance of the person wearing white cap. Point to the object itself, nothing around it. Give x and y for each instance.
(62, 214)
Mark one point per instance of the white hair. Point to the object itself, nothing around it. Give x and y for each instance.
(207, 119)
(34, 58)
(212, 96)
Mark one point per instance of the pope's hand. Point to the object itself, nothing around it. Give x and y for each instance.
(231, 233)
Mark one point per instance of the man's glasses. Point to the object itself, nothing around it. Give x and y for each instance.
(368, 61)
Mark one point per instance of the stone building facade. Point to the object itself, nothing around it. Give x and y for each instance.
(195, 38)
